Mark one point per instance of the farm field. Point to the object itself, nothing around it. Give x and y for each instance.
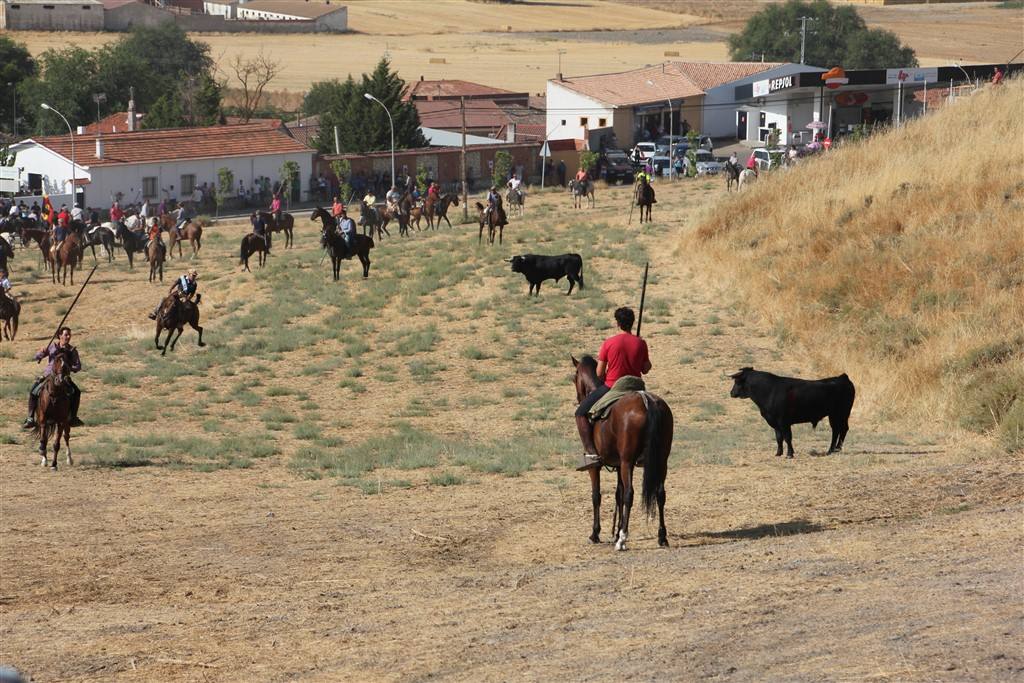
(372, 480)
(470, 40)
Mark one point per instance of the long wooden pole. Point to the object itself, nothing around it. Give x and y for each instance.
(643, 295)
(70, 308)
(632, 202)
(465, 185)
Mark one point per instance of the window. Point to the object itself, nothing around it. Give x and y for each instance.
(563, 122)
(601, 123)
(188, 184)
(149, 187)
(583, 120)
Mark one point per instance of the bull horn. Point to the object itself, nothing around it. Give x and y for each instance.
(507, 260)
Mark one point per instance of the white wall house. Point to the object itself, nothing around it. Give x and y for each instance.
(228, 10)
(325, 15)
(51, 15)
(160, 164)
(721, 105)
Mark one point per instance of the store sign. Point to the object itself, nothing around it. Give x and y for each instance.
(770, 85)
(909, 76)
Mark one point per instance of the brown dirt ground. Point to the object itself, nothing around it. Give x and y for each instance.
(898, 560)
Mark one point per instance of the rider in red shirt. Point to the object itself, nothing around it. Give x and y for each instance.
(621, 354)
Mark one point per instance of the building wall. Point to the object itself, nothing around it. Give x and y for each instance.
(720, 105)
(335, 21)
(84, 16)
(220, 9)
(54, 169)
(565, 105)
(123, 18)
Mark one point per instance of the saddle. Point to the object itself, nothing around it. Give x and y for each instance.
(625, 385)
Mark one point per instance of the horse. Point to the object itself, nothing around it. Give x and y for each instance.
(69, 254)
(132, 242)
(580, 189)
(644, 199)
(401, 215)
(156, 252)
(747, 177)
(287, 225)
(435, 211)
(339, 249)
(10, 311)
(493, 223)
(732, 175)
(516, 200)
(42, 238)
(100, 235)
(53, 411)
(251, 244)
(637, 431)
(193, 232)
(6, 252)
(373, 217)
(173, 315)
(415, 214)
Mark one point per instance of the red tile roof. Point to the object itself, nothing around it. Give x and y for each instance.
(451, 88)
(172, 144)
(671, 80)
(115, 123)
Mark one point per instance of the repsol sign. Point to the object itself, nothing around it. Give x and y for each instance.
(770, 85)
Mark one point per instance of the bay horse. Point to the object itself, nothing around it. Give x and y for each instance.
(69, 255)
(401, 215)
(193, 232)
(435, 211)
(645, 199)
(637, 431)
(372, 217)
(337, 247)
(251, 244)
(174, 314)
(132, 243)
(581, 189)
(156, 252)
(10, 311)
(732, 175)
(493, 223)
(286, 225)
(42, 238)
(53, 411)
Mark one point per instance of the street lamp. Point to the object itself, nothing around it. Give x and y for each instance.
(671, 129)
(71, 134)
(394, 179)
(544, 162)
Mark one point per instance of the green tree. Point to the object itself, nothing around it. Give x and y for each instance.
(66, 83)
(225, 187)
(502, 164)
(876, 48)
(588, 160)
(343, 170)
(165, 113)
(323, 95)
(774, 32)
(421, 179)
(289, 172)
(16, 65)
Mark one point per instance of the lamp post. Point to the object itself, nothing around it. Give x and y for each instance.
(671, 129)
(544, 159)
(71, 134)
(394, 179)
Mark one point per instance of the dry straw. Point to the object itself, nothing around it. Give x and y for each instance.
(899, 260)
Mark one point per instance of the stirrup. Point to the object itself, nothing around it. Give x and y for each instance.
(587, 461)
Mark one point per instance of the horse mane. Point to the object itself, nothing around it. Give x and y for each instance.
(588, 365)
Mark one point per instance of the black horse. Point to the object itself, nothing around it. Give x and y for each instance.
(252, 244)
(337, 246)
(732, 175)
(96, 235)
(132, 243)
(645, 198)
(6, 252)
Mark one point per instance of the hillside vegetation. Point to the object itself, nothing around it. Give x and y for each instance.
(899, 260)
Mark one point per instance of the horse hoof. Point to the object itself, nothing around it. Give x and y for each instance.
(620, 545)
(595, 538)
(663, 542)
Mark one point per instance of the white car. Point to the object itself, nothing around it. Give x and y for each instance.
(706, 163)
(768, 159)
(647, 150)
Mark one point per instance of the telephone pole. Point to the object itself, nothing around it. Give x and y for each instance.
(803, 35)
(465, 186)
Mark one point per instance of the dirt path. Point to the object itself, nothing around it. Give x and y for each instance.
(897, 560)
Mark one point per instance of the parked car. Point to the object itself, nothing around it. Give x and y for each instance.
(660, 163)
(703, 142)
(768, 159)
(646, 149)
(707, 164)
(617, 166)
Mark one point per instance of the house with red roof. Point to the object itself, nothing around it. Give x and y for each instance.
(158, 164)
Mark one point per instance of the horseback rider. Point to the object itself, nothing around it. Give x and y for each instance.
(337, 209)
(275, 207)
(60, 230)
(513, 185)
(392, 198)
(621, 354)
(581, 176)
(185, 214)
(116, 215)
(752, 164)
(367, 206)
(184, 288)
(494, 206)
(347, 229)
(5, 286)
(74, 364)
(154, 232)
(434, 191)
(259, 228)
(643, 187)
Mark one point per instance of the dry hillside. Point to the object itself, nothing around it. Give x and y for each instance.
(899, 260)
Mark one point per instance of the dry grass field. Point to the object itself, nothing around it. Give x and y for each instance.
(472, 41)
(372, 480)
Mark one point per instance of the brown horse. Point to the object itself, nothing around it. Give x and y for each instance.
(10, 311)
(192, 231)
(493, 223)
(53, 411)
(69, 255)
(637, 431)
(252, 244)
(644, 199)
(401, 215)
(155, 254)
(174, 315)
(6, 252)
(287, 225)
(435, 211)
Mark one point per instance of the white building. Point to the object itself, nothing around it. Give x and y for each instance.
(637, 103)
(51, 15)
(158, 164)
(325, 14)
(221, 8)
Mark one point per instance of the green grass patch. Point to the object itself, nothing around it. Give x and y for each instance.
(446, 479)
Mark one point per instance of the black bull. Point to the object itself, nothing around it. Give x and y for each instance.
(538, 268)
(786, 401)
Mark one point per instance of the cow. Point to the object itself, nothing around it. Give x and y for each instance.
(538, 268)
(786, 401)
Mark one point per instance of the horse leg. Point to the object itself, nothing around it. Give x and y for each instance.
(662, 531)
(365, 260)
(617, 514)
(43, 437)
(156, 339)
(626, 474)
(595, 498)
(56, 446)
(167, 340)
(501, 233)
(198, 328)
(177, 336)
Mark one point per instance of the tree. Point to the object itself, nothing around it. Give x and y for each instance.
(225, 187)
(67, 82)
(588, 160)
(502, 163)
(289, 172)
(774, 33)
(253, 76)
(16, 65)
(342, 170)
(323, 95)
(165, 113)
(877, 48)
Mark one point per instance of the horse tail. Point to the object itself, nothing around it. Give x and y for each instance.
(199, 297)
(655, 466)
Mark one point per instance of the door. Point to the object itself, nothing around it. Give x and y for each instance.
(741, 125)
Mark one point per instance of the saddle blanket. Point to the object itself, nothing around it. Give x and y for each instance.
(627, 384)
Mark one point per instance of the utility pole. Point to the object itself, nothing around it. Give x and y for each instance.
(465, 186)
(803, 35)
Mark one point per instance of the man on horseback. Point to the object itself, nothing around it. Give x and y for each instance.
(259, 228)
(184, 288)
(275, 208)
(495, 207)
(74, 364)
(60, 229)
(337, 209)
(116, 215)
(514, 184)
(621, 354)
(185, 214)
(392, 198)
(367, 207)
(5, 286)
(752, 164)
(347, 230)
(434, 192)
